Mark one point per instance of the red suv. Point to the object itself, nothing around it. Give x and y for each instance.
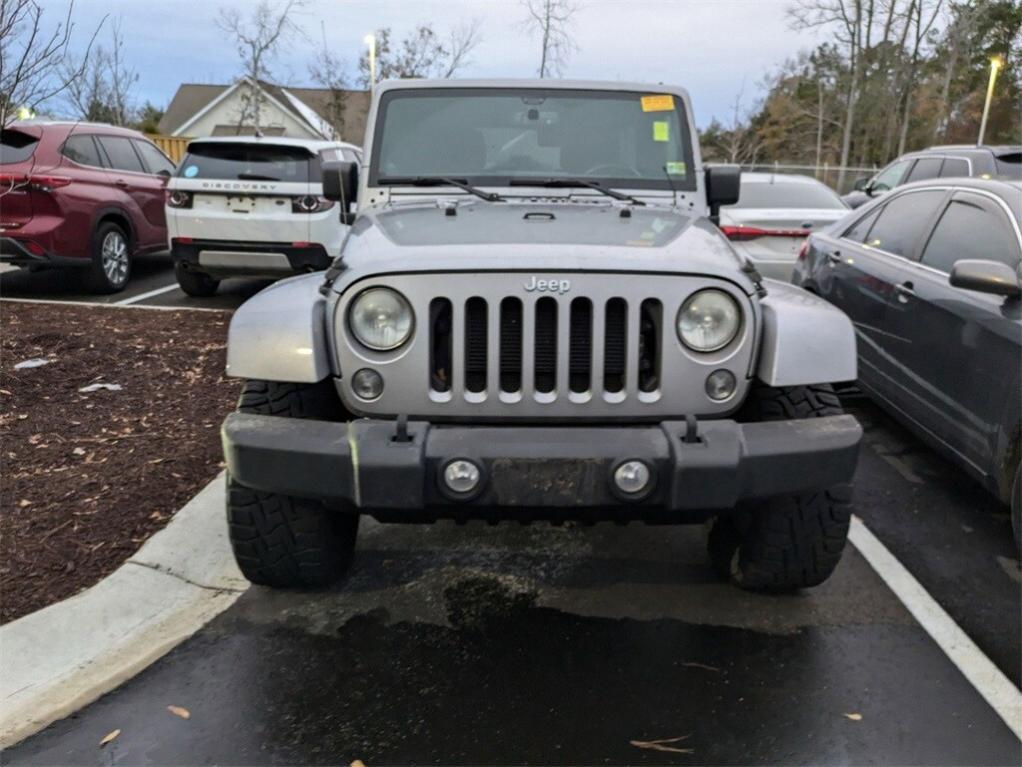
(81, 195)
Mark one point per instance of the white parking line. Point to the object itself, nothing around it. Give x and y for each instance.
(144, 296)
(989, 681)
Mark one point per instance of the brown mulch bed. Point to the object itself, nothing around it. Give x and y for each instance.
(88, 477)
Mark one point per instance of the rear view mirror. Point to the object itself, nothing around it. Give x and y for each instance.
(723, 185)
(985, 277)
(340, 183)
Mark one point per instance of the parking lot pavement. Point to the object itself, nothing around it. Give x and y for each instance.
(152, 283)
(508, 644)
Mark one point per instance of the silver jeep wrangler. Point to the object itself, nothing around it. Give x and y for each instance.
(535, 317)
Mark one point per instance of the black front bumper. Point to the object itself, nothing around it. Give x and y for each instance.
(368, 463)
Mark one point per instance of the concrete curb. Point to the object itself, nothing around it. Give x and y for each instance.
(56, 660)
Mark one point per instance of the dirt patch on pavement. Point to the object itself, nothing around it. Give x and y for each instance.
(89, 476)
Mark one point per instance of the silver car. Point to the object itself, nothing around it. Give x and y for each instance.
(534, 317)
(774, 215)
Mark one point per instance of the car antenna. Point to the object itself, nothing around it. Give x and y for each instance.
(674, 190)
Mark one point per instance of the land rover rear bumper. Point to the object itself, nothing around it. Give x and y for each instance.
(223, 258)
(394, 472)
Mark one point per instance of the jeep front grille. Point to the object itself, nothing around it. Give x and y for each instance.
(486, 347)
(611, 334)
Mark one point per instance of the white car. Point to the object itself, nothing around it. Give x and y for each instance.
(774, 215)
(253, 206)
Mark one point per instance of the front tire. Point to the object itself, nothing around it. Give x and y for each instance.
(195, 284)
(280, 540)
(110, 266)
(788, 542)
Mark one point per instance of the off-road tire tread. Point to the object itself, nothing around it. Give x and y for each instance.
(280, 540)
(789, 542)
(318, 401)
(288, 542)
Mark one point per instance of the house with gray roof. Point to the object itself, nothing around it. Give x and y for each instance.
(226, 110)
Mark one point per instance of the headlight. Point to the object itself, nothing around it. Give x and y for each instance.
(708, 320)
(381, 319)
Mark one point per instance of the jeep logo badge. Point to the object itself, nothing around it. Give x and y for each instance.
(547, 286)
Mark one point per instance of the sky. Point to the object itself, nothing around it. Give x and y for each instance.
(714, 48)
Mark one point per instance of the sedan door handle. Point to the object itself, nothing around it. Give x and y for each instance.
(834, 257)
(905, 291)
(121, 183)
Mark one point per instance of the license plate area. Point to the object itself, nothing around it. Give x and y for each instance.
(535, 482)
(241, 204)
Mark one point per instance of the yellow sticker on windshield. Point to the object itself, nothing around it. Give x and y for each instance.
(677, 168)
(659, 103)
(661, 130)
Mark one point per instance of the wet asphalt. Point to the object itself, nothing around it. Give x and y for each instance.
(571, 645)
(603, 645)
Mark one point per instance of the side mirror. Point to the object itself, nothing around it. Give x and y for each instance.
(985, 277)
(163, 173)
(340, 183)
(723, 186)
(861, 184)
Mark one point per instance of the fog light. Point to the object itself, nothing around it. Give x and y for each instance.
(632, 477)
(367, 384)
(720, 385)
(462, 477)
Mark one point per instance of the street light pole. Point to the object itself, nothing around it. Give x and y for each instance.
(370, 40)
(995, 65)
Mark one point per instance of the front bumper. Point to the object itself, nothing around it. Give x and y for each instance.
(696, 468)
(223, 258)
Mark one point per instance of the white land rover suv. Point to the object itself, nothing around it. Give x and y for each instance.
(253, 206)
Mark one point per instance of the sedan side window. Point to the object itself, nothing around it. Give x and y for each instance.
(925, 169)
(970, 229)
(904, 221)
(954, 167)
(890, 176)
(861, 227)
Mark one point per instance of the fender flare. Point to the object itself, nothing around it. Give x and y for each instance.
(805, 339)
(280, 333)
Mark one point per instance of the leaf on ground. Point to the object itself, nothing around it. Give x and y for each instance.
(854, 717)
(109, 736)
(694, 664)
(661, 745)
(184, 713)
(357, 763)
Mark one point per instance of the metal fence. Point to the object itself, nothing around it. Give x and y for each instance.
(828, 174)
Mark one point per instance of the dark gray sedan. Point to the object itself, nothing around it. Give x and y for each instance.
(930, 276)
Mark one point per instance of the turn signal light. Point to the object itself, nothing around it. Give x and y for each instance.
(744, 233)
(43, 183)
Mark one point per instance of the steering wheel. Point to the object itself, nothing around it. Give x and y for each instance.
(628, 170)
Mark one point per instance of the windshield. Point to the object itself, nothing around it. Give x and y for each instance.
(247, 161)
(786, 194)
(489, 136)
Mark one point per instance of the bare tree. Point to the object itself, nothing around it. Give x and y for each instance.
(422, 53)
(258, 39)
(552, 20)
(853, 22)
(31, 58)
(922, 27)
(103, 91)
(329, 71)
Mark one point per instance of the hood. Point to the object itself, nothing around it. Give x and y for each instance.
(536, 235)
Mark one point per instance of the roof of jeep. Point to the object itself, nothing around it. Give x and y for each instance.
(546, 84)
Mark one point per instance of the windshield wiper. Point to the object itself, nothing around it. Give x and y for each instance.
(564, 183)
(256, 177)
(438, 181)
